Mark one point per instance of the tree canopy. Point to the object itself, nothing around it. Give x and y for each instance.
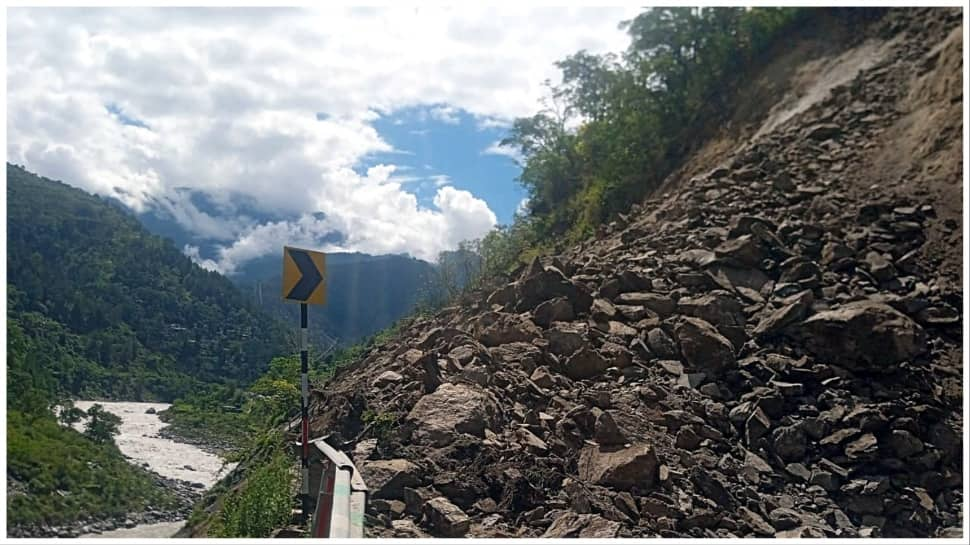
(617, 125)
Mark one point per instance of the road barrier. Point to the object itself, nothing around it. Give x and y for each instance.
(341, 496)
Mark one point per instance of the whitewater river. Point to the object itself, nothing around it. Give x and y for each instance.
(139, 441)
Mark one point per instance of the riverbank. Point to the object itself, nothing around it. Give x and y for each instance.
(184, 470)
(187, 495)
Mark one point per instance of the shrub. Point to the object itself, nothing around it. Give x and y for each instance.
(262, 504)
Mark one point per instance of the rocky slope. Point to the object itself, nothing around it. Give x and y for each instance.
(772, 348)
(186, 495)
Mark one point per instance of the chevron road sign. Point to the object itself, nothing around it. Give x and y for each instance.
(304, 280)
(304, 276)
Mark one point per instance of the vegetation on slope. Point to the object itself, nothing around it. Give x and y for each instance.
(230, 417)
(256, 498)
(99, 308)
(636, 117)
(364, 294)
(151, 321)
(56, 474)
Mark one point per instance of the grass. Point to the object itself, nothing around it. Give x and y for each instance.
(56, 475)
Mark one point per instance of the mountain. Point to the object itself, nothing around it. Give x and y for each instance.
(768, 345)
(124, 312)
(366, 293)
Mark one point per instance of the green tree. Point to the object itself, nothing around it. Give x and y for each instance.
(69, 414)
(616, 126)
(101, 426)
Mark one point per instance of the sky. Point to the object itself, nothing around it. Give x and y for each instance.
(347, 129)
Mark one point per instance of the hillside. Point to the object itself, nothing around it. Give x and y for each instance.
(367, 292)
(99, 308)
(134, 318)
(769, 345)
(364, 293)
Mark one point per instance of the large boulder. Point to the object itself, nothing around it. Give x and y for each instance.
(497, 329)
(720, 309)
(745, 250)
(607, 432)
(505, 295)
(585, 363)
(387, 479)
(823, 131)
(746, 277)
(446, 518)
(387, 378)
(553, 310)
(525, 355)
(703, 347)
(437, 418)
(662, 305)
(566, 337)
(863, 335)
(622, 469)
(549, 283)
(790, 313)
(661, 344)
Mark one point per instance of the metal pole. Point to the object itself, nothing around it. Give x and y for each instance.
(304, 413)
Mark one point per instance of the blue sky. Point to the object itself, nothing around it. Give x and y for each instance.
(428, 147)
(334, 128)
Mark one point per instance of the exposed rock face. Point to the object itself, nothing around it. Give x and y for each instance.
(863, 334)
(770, 348)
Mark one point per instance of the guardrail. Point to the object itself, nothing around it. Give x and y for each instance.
(341, 494)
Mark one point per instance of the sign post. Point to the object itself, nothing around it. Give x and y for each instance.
(304, 273)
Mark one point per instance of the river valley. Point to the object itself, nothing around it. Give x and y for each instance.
(140, 441)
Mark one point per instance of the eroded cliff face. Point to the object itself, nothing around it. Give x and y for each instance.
(769, 348)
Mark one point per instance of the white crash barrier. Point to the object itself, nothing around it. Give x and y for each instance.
(341, 493)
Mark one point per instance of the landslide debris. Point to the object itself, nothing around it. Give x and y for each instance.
(769, 350)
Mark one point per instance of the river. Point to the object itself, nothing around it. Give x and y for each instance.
(139, 440)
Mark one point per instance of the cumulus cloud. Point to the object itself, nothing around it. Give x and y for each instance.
(275, 108)
(375, 216)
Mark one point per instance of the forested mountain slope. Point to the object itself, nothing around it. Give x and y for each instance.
(115, 311)
(365, 293)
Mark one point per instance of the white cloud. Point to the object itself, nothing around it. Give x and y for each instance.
(375, 216)
(445, 114)
(441, 179)
(496, 148)
(488, 122)
(523, 207)
(231, 96)
(193, 253)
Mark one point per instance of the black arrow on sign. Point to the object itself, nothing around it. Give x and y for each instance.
(310, 278)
